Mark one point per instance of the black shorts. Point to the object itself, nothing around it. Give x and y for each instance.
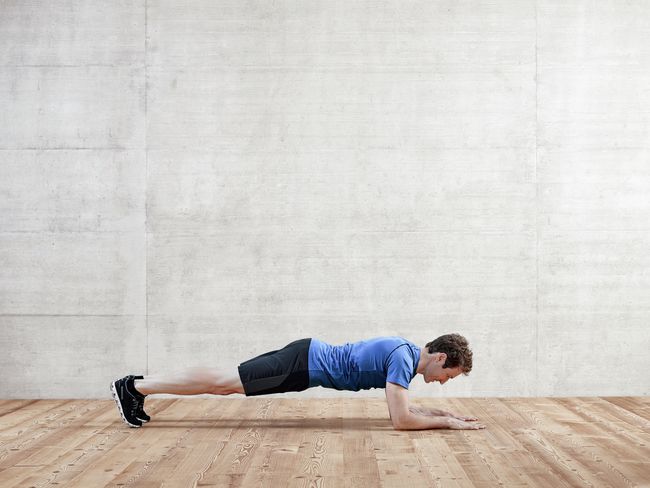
(286, 369)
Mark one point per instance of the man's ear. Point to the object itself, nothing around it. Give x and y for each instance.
(442, 357)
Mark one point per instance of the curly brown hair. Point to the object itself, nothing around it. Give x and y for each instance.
(456, 347)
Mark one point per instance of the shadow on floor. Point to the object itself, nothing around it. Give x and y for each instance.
(298, 423)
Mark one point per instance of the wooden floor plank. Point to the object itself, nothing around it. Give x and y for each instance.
(358, 450)
(88, 451)
(202, 447)
(307, 442)
(69, 437)
(438, 460)
(622, 436)
(46, 429)
(131, 464)
(10, 406)
(320, 453)
(33, 415)
(635, 406)
(247, 436)
(554, 440)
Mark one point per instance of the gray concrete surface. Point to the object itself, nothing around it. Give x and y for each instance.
(200, 182)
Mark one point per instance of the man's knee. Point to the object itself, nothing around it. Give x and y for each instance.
(222, 382)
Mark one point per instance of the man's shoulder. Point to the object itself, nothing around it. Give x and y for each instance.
(387, 345)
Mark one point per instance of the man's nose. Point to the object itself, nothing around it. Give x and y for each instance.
(444, 381)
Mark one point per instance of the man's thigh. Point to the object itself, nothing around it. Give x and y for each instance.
(280, 371)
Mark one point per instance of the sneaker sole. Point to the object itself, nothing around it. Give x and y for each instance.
(119, 406)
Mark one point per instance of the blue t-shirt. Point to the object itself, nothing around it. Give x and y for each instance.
(363, 365)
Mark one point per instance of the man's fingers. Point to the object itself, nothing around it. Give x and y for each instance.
(461, 424)
(462, 417)
(466, 419)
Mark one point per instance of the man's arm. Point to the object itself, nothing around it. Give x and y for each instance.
(404, 418)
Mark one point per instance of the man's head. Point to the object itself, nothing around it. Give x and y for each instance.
(446, 357)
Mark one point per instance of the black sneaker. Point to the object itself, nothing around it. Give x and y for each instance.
(141, 414)
(127, 402)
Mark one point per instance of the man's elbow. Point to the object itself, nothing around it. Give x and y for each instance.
(402, 423)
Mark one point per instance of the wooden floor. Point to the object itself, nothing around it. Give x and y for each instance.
(278, 442)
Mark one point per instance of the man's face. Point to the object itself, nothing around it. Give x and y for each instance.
(435, 372)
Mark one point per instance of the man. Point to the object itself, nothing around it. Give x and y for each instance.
(382, 362)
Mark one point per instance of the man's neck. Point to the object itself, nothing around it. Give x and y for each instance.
(425, 358)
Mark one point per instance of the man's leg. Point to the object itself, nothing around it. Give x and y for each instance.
(129, 392)
(192, 381)
(279, 371)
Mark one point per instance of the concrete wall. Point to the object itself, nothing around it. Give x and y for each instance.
(199, 182)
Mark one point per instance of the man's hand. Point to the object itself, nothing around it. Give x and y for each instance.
(456, 423)
(464, 418)
(441, 413)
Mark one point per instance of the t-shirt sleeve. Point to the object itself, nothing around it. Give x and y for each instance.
(400, 366)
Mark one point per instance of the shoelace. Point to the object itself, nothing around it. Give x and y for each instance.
(139, 400)
(134, 405)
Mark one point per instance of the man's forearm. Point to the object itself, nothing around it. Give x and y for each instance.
(438, 413)
(416, 421)
(430, 412)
